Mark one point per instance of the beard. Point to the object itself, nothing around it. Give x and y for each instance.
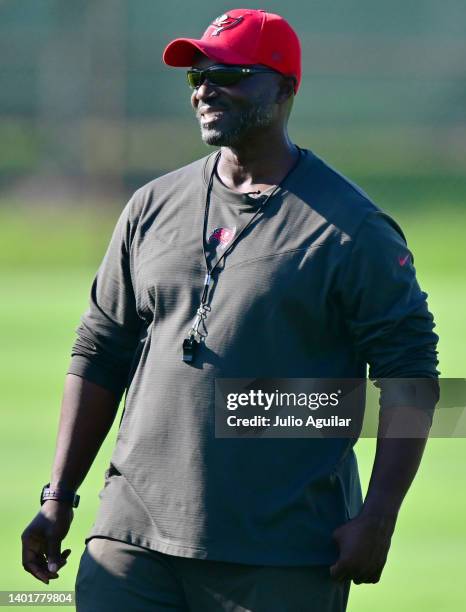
(247, 121)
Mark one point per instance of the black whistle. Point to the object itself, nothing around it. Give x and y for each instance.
(189, 348)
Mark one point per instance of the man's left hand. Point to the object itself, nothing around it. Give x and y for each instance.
(363, 544)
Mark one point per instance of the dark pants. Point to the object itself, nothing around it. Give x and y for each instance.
(115, 576)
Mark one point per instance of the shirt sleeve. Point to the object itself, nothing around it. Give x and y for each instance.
(110, 329)
(387, 314)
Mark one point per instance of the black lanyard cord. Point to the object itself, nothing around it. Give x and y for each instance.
(206, 217)
(191, 341)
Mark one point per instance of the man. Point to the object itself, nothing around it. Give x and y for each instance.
(256, 261)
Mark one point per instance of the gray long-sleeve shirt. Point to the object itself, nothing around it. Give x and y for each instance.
(320, 285)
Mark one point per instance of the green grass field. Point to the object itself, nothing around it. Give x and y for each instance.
(48, 262)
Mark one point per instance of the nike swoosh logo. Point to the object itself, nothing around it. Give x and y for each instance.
(403, 260)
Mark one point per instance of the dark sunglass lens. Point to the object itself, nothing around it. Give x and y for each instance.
(224, 77)
(194, 78)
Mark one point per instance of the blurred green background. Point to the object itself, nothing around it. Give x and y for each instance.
(88, 113)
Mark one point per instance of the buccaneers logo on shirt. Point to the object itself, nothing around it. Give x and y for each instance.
(222, 236)
(224, 22)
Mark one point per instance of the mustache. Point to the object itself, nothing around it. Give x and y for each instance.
(206, 108)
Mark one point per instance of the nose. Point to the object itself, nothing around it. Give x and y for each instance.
(206, 91)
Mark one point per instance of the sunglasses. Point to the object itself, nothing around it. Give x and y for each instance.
(223, 76)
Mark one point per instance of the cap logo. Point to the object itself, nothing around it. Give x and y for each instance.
(224, 22)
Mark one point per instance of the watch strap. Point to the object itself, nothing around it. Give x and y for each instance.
(61, 495)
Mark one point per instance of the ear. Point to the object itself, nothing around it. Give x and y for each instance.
(285, 89)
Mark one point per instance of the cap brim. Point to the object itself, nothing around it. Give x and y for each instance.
(182, 51)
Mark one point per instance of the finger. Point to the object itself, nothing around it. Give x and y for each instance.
(61, 563)
(374, 578)
(32, 557)
(64, 556)
(334, 569)
(339, 571)
(53, 575)
(53, 554)
(336, 534)
(38, 572)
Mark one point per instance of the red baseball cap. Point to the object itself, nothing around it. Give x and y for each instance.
(243, 36)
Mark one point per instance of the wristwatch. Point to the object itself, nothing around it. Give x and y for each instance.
(61, 495)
